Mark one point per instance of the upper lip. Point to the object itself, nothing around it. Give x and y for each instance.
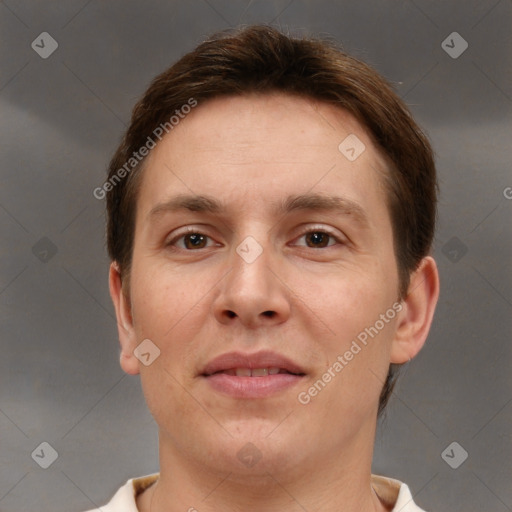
(262, 359)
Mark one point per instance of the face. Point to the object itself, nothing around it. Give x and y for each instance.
(284, 266)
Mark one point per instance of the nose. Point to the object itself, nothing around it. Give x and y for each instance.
(253, 293)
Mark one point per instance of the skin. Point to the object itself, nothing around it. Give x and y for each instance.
(197, 303)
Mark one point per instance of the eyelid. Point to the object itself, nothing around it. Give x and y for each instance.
(323, 229)
(181, 232)
(340, 239)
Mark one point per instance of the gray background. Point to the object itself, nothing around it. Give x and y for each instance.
(61, 118)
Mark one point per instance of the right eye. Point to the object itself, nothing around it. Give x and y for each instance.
(190, 240)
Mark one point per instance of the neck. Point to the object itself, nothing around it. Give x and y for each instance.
(334, 484)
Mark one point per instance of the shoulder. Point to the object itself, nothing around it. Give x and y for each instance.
(124, 499)
(394, 494)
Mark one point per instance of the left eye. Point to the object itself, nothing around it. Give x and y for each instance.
(318, 239)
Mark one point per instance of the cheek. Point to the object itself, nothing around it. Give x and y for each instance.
(348, 300)
(167, 309)
(171, 309)
(160, 298)
(167, 398)
(358, 310)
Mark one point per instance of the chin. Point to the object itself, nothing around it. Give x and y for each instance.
(257, 449)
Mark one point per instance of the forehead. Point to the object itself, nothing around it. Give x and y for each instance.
(258, 148)
(289, 126)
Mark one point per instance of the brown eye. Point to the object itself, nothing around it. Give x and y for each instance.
(195, 241)
(190, 241)
(317, 239)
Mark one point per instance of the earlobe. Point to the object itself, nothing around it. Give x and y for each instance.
(127, 339)
(415, 319)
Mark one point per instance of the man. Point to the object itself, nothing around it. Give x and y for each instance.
(271, 211)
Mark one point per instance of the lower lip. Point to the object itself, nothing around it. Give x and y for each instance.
(252, 387)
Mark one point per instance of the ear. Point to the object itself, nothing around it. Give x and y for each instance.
(414, 320)
(127, 338)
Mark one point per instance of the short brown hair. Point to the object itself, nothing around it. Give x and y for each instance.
(262, 59)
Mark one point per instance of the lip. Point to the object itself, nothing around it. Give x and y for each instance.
(251, 387)
(262, 359)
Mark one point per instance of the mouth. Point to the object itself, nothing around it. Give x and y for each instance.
(254, 372)
(252, 375)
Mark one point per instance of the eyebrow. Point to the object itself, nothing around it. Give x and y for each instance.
(309, 201)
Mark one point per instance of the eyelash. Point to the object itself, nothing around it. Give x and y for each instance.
(191, 231)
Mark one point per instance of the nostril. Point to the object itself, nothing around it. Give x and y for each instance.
(231, 314)
(270, 314)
